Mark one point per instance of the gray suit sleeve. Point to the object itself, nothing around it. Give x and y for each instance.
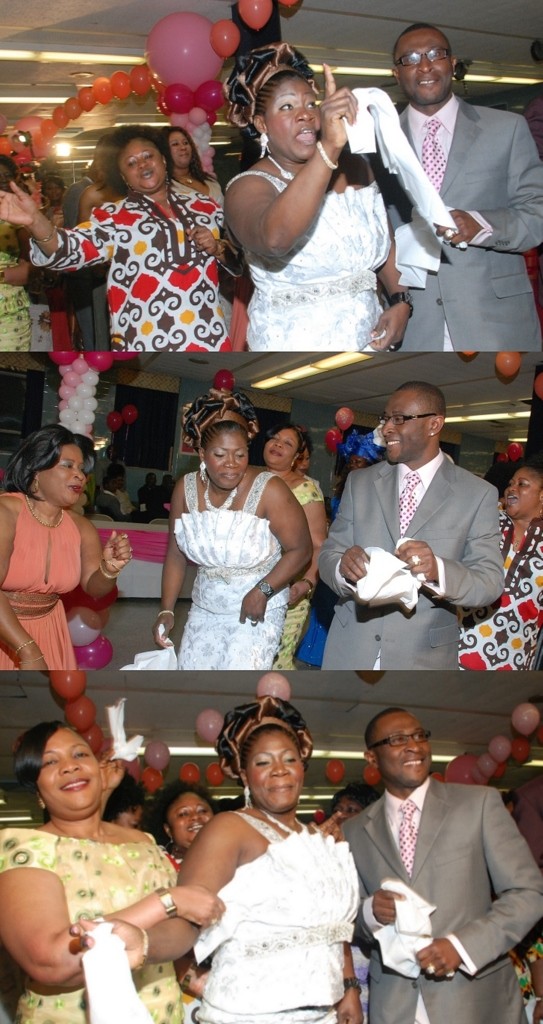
(340, 537)
(478, 578)
(519, 226)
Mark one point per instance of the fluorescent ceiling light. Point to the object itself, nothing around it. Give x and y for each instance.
(311, 369)
(69, 57)
(489, 416)
(32, 98)
(363, 72)
(15, 817)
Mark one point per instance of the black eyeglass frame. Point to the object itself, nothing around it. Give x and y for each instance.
(441, 53)
(404, 738)
(399, 419)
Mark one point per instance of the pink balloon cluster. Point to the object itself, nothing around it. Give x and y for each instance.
(344, 419)
(470, 769)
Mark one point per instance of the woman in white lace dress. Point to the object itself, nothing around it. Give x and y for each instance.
(313, 228)
(281, 950)
(246, 532)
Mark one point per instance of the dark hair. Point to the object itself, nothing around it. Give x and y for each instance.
(308, 441)
(156, 812)
(10, 165)
(416, 27)
(360, 792)
(217, 410)
(54, 179)
(28, 755)
(113, 470)
(369, 734)
(195, 168)
(273, 431)
(433, 394)
(125, 797)
(41, 450)
(535, 463)
(118, 140)
(250, 75)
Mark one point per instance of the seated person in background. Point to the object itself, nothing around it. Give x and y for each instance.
(151, 498)
(113, 499)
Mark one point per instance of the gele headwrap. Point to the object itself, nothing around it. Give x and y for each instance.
(243, 720)
(252, 70)
(218, 404)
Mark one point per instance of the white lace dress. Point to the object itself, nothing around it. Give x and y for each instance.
(278, 949)
(322, 294)
(233, 550)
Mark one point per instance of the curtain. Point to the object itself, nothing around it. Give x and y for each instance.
(149, 440)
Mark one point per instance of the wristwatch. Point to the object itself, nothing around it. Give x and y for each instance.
(265, 587)
(397, 297)
(167, 901)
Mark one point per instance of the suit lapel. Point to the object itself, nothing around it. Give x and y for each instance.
(433, 815)
(377, 828)
(386, 486)
(438, 494)
(465, 134)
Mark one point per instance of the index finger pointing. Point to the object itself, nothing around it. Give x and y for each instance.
(329, 82)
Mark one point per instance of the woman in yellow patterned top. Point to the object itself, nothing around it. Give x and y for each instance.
(15, 328)
(77, 866)
(283, 446)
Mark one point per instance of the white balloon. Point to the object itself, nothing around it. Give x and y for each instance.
(67, 417)
(84, 391)
(90, 403)
(75, 403)
(85, 416)
(90, 377)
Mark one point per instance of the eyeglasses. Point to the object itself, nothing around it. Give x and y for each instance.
(398, 419)
(410, 60)
(401, 739)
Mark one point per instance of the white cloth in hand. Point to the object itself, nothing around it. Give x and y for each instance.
(123, 748)
(410, 932)
(111, 994)
(388, 580)
(164, 659)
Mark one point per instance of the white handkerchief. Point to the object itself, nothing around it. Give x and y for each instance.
(111, 993)
(123, 748)
(411, 931)
(164, 659)
(388, 580)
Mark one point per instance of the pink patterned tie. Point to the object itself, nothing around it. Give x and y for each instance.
(408, 503)
(408, 835)
(434, 160)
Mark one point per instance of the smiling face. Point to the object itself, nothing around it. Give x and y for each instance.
(226, 457)
(274, 772)
(402, 768)
(291, 121)
(70, 781)
(143, 167)
(181, 151)
(414, 442)
(280, 451)
(524, 495)
(62, 485)
(428, 85)
(185, 817)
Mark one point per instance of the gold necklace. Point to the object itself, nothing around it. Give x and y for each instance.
(50, 526)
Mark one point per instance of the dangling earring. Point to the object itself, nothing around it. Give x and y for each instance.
(263, 144)
(247, 795)
(34, 487)
(203, 472)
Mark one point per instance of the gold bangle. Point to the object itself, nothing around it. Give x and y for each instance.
(47, 238)
(165, 611)
(144, 949)
(30, 661)
(311, 586)
(167, 901)
(322, 152)
(108, 575)
(26, 644)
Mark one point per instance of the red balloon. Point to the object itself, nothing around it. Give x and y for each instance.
(121, 85)
(114, 421)
(224, 380)
(62, 358)
(140, 79)
(189, 772)
(288, 3)
(72, 107)
(5, 146)
(211, 117)
(178, 98)
(225, 37)
(438, 776)
(99, 361)
(162, 106)
(101, 90)
(460, 769)
(255, 13)
(78, 598)
(500, 770)
(48, 128)
(214, 774)
(332, 438)
(344, 417)
(151, 779)
(520, 749)
(538, 385)
(319, 816)
(209, 95)
(502, 457)
(80, 713)
(129, 414)
(60, 117)
(69, 684)
(335, 770)
(508, 363)
(123, 357)
(87, 99)
(515, 451)
(94, 737)
(371, 775)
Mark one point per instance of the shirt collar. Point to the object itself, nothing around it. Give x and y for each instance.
(418, 796)
(447, 115)
(426, 472)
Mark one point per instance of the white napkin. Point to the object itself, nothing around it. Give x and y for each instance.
(123, 748)
(418, 247)
(411, 931)
(387, 580)
(164, 659)
(111, 993)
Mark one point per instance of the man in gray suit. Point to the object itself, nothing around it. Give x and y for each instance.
(470, 861)
(481, 298)
(454, 544)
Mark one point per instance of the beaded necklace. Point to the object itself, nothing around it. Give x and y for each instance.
(227, 503)
(287, 175)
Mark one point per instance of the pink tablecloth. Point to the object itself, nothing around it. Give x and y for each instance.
(147, 546)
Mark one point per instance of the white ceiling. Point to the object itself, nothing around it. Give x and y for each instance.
(495, 35)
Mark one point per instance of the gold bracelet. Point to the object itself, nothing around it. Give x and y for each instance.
(311, 586)
(108, 575)
(322, 152)
(26, 644)
(47, 238)
(30, 661)
(165, 611)
(144, 950)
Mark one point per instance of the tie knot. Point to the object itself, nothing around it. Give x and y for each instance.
(411, 481)
(408, 809)
(433, 126)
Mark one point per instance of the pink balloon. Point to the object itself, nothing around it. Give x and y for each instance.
(499, 748)
(80, 633)
(179, 120)
(157, 755)
(66, 392)
(273, 684)
(209, 724)
(209, 95)
(344, 418)
(478, 777)
(81, 365)
(72, 379)
(178, 47)
(486, 765)
(460, 769)
(31, 124)
(526, 718)
(178, 98)
(95, 655)
(100, 360)
(197, 116)
(63, 404)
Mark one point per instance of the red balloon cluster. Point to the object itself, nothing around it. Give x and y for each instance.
(127, 415)
(79, 710)
(332, 438)
(470, 769)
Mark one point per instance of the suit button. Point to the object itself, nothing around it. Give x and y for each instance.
(414, 984)
(439, 302)
(377, 637)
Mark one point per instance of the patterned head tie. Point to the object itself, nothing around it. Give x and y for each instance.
(251, 72)
(217, 406)
(243, 720)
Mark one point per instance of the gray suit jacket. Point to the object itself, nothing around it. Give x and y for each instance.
(458, 519)
(483, 292)
(468, 848)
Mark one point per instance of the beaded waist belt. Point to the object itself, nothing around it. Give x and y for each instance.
(31, 606)
(228, 573)
(317, 935)
(307, 294)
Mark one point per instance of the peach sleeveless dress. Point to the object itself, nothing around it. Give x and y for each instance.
(43, 561)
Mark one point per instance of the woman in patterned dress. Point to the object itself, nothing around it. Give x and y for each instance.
(79, 866)
(163, 249)
(504, 636)
(15, 329)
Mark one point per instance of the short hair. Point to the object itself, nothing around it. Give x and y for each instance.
(156, 812)
(433, 394)
(273, 431)
(416, 27)
(28, 756)
(118, 140)
(369, 734)
(41, 450)
(360, 792)
(125, 797)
